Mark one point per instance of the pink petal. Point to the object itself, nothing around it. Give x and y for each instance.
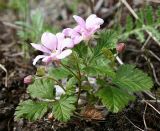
(64, 54)
(49, 40)
(93, 21)
(79, 20)
(40, 47)
(67, 42)
(67, 31)
(77, 29)
(60, 37)
(38, 58)
(77, 39)
(47, 59)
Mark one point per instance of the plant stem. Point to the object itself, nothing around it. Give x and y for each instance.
(79, 84)
(65, 66)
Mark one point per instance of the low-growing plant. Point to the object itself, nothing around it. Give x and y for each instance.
(72, 57)
(148, 20)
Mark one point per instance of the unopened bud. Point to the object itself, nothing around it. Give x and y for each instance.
(40, 71)
(28, 79)
(120, 47)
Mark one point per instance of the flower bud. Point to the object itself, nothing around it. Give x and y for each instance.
(28, 79)
(41, 71)
(120, 47)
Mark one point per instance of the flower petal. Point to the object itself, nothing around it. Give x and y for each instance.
(49, 40)
(60, 37)
(77, 39)
(68, 42)
(37, 58)
(40, 47)
(79, 20)
(47, 59)
(93, 21)
(64, 54)
(67, 31)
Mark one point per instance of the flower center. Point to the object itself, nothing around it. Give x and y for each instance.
(54, 51)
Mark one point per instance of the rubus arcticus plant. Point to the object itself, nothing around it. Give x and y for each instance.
(72, 58)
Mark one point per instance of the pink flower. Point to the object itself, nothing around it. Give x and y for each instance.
(89, 27)
(53, 47)
(73, 34)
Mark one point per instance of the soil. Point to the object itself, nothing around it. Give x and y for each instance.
(18, 67)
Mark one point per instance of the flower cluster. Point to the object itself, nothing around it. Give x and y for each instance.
(57, 47)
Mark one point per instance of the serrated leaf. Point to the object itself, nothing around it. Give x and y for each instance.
(108, 39)
(129, 24)
(70, 86)
(31, 110)
(149, 15)
(63, 108)
(59, 73)
(99, 66)
(75, 60)
(114, 98)
(42, 88)
(109, 55)
(99, 70)
(132, 79)
(140, 36)
(155, 33)
(81, 49)
(158, 15)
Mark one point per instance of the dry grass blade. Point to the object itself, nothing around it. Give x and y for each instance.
(4, 69)
(136, 17)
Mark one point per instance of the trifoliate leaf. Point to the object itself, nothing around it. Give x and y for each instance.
(31, 110)
(114, 98)
(132, 79)
(42, 88)
(63, 108)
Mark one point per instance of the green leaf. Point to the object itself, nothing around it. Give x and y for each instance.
(149, 15)
(155, 32)
(42, 88)
(31, 110)
(99, 66)
(99, 70)
(129, 24)
(107, 39)
(59, 73)
(81, 49)
(63, 108)
(140, 36)
(74, 60)
(109, 55)
(132, 79)
(113, 98)
(70, 86)
(37, 21)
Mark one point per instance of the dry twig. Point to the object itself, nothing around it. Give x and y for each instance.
(144, 120)
(6, 79)
(133, 124)
(136, 17)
